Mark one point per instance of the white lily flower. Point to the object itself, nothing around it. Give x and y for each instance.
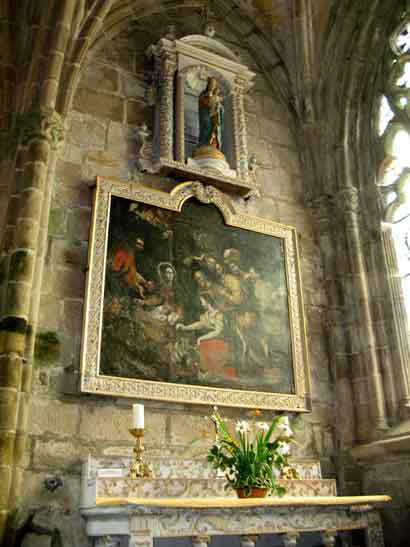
(283, 449)
(242, 426)
(276, 472)
(283, 427)
(262, 426)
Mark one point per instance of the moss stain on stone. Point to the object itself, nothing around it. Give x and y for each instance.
(47, 348)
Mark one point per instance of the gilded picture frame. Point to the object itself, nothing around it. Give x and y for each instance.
(190, 300)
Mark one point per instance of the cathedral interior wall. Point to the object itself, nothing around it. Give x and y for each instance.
(65, 425)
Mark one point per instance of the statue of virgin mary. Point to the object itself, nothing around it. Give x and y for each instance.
(211, 116)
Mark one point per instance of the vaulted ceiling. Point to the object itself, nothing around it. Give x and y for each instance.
(293, 41)
(321, 57)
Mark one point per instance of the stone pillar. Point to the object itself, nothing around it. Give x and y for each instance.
(201, 541)
(248, 541)
(348, 203)
(239, 130)
(180, 118)
(42, 129)
(335, 321)
(10, 220)
(400, 319)
(328, 538)
(166, 107)
(290, 539)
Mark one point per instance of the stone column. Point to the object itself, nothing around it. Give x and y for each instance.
(248, 541)
(348, 202)
(14, 182)
(290, 539)
(180, 118)
(201, 541)
(328, 538)
(334, 324)
(42, 129)
(239, 130)
(400, 319)
(166, 107)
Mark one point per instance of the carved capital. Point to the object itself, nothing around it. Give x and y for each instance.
(239, 87)
(165, 59)
(45, 124)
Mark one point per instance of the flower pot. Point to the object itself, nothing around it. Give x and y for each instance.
(254, 493)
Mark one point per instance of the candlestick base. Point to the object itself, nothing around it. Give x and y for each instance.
(139, 469)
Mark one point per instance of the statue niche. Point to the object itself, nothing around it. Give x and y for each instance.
(198, 88)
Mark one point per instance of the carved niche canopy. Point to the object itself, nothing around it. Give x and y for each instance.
(181, 72)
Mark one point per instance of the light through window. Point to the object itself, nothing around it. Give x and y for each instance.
(394, 128)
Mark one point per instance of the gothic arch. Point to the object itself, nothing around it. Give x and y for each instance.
(111, 18)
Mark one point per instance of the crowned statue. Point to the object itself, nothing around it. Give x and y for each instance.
(211, 122)
(211, 113)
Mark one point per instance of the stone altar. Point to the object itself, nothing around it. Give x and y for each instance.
(121, 512)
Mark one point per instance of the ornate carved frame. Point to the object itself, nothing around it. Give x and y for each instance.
(93, 382)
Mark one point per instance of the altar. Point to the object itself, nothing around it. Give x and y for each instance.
(193, 300)
(124, 512)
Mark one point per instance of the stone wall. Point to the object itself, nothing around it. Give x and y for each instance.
(65, 425)
(390, 474)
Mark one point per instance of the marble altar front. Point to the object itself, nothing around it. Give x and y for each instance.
(121, 512)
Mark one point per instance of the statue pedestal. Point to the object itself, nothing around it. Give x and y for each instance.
(212, 160)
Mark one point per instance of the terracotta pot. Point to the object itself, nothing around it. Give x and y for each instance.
(254, 493)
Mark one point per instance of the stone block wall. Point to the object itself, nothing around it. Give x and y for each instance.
(390, 474)
(65, 425)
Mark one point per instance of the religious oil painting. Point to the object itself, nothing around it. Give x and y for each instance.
(190, 301)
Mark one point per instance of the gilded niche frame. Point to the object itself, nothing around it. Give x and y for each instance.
(102, 310)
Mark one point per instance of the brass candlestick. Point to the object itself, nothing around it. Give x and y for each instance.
(139, 469)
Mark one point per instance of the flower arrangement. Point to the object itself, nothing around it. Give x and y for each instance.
(255, 456)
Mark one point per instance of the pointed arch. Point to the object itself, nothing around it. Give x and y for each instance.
(110, 17)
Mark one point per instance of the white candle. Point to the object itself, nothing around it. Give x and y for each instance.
(138, 416)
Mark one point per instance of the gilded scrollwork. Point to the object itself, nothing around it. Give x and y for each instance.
(93, 381)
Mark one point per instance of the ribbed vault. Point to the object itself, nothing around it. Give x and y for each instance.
(347, 85)
(121, 15)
